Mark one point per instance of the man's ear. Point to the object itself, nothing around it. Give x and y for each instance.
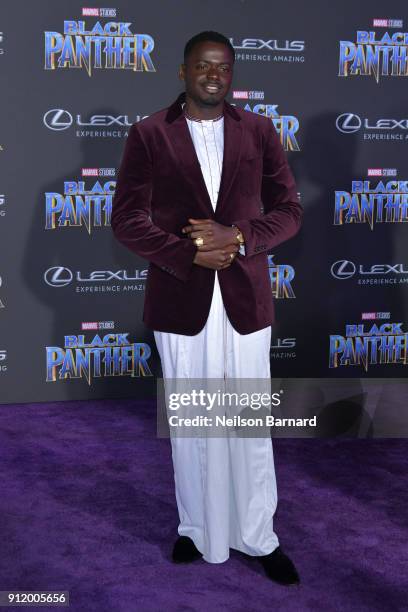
(182, 72)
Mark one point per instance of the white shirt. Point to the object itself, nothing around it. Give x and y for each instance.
(208, 140)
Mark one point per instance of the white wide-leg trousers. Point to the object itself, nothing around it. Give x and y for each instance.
(226, 486)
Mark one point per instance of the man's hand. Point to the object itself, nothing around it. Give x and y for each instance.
(217, 259)
(215, 235)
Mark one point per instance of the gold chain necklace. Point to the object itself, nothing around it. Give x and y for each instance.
(199, 120)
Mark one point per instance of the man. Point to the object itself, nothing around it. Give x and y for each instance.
(204, 191)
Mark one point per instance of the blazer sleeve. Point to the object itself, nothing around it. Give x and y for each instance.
(131, 214)
(282, 210)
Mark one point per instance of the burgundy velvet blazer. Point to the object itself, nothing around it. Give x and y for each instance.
(160, 185)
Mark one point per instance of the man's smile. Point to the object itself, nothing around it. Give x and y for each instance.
(212, 87)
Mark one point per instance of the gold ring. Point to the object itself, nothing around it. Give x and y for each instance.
(199, 241)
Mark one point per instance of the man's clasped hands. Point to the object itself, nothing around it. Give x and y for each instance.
(218, 246)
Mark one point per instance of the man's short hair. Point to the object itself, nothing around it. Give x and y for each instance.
(207, 36)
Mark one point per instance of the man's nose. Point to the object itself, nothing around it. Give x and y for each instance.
(212, 74)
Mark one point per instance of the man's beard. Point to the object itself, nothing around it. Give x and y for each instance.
(212, 101)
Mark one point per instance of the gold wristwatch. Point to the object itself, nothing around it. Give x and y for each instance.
(240, 236)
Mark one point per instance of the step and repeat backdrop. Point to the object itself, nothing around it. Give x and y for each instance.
(74, 77)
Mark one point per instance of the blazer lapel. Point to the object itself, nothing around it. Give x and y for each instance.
(232, 152)
(189, 164)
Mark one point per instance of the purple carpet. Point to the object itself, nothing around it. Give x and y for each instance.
(87, 505)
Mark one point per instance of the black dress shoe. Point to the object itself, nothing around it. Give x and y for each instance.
(185, 550)
(280, 568)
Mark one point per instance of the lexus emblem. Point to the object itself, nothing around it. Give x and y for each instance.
(348, 123)
(343, 269)
(58, 119)
(58, 276)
